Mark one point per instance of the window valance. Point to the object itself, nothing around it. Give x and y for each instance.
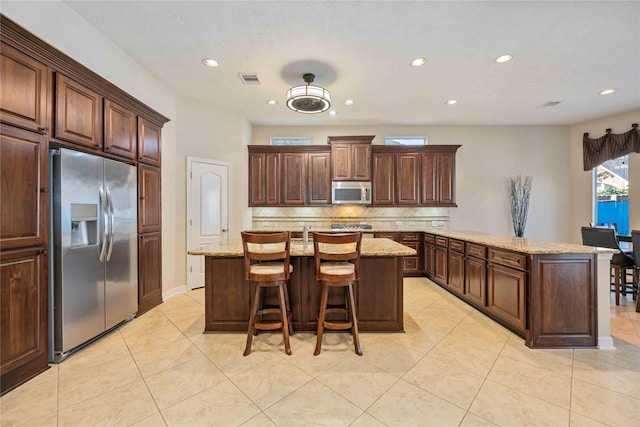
(609, 146)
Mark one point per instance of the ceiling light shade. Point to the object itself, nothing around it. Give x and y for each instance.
(210, 62)
(504, 58)
(307, 98)
(607, 91)
(418, 62)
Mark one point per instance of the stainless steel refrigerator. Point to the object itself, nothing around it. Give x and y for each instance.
(94, 267)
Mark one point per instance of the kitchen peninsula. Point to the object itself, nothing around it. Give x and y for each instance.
(378, 294)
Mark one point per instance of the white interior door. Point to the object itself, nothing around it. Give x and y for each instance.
(207, 211)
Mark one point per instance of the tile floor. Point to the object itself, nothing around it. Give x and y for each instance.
(452, 367)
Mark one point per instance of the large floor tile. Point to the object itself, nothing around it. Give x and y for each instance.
(31, 401)
(260, 420)
(407, 405)
(313, 404)
(604, 405)
(122, 406)
(221, 405)
(358, 381)
(154, 359)
(471, 420)
(447, 381)
(144, 340)
(109, 347)
(271, 381)
(545, 385)
(180, 382)
(608, 376)
(76, 385)
(559, 361)
(505, 406)
(367, 420)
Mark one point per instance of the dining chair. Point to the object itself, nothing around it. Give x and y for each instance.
(620, 262)
(267, 265)
(635, 241)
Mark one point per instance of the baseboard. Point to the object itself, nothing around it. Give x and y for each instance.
(173, 292)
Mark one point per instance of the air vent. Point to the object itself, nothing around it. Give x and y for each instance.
(551, 103)
(249, 78)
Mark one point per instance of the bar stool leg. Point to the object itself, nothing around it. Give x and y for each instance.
(616, 281)
(252, 319)
(285, 319)
(321, 315)
(286, 299)
(354, 319)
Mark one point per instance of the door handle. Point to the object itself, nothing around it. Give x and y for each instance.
(224, 230)
(105, 217)
(111, 221)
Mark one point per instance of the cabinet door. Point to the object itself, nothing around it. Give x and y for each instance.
(119, 131)
(257, 182)
(383, 182)
(149, 204)
(429, 180)
(506, 288)
(319, 179)
(475, 280)
(23, 315)
(456, 272)
(294, 180)
(361, 162)
(440, 265)
(408, 177)
(149, 142)
(341, 159)
(446, 179)
(149, 271)
(24, 90)
(429, 259)
(23, 198)
(78, 113)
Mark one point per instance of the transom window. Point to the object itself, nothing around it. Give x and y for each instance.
(291, 140)
(405, 140)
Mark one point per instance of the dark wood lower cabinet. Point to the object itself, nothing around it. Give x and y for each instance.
(456, 272)
(23, 316)
(440, 265)
(149, 271)
(475, 280)
(506, 294)
(378, 294)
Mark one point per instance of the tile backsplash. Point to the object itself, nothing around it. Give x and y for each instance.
(321, 218)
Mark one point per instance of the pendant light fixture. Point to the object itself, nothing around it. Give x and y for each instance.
(307, 98)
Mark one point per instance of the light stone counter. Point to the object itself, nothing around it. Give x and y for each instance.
(370, 248)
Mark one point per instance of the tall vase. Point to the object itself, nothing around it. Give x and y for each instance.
(519, 190)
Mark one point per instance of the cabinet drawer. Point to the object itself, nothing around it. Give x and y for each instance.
(442, 241)
(391, 236)
(456, 245)
(476, 250)
(430, 238)
(508, 258)
(409, 237)
(410, 264)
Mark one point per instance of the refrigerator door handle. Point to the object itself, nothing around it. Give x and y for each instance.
(111, 221)
(105, 233)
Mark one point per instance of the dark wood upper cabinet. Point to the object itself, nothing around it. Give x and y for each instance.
(384, 179)
(319, 182)
(23, 188)
(264, 179)
(351, 157)
(78, 113)
(294, 182)
(408, 178)
(120, 131)
(24, 90)
(149, 142)
(438, 179)
(149, 197)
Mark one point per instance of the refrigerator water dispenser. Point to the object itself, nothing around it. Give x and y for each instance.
(84, 225)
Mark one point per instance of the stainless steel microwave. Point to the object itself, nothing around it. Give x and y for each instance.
(351, 193)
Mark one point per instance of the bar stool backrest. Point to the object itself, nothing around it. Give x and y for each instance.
(271, 248)
(599, 237)
(339, 247)
(635, 241)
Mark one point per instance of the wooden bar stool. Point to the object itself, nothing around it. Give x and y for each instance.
(337, 262)
(266, 265)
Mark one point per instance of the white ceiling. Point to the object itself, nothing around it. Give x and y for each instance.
(563, 51)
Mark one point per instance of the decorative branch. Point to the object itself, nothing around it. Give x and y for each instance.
(519, 190)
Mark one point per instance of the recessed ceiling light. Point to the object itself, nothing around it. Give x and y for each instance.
(332, 113)
(418, 62)
(272, 102)
(348, 102)
(452, 102)
(210, 62)
(504, 58)
(607, 92)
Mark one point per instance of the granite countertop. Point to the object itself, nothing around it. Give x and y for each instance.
(370, 247)
(519, 244)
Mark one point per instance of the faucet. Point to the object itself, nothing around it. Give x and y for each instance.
(305, 233)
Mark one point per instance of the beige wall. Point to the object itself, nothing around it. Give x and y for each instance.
(488, 155)
(582, 181)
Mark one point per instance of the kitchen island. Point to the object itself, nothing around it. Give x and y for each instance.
(379, 292)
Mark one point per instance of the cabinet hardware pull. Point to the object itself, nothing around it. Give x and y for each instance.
(45, 190)
(43, 129)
